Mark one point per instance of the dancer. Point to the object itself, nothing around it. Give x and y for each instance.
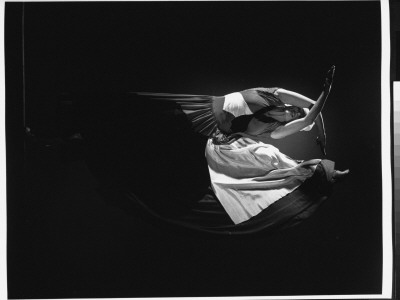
(255, 187)
(248, 175)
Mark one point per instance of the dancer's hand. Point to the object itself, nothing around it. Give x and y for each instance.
(321, 142)
(329, 79)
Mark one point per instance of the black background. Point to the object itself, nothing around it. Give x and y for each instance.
(64, 241)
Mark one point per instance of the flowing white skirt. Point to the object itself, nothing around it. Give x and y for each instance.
(247, 176)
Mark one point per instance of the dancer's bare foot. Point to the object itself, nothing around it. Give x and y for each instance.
(339, 175)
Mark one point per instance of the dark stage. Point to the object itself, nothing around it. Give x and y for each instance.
(69, 236)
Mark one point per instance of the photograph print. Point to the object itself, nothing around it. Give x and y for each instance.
(193, 149)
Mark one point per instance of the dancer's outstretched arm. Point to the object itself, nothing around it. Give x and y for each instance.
(296, 99)
(297, 125)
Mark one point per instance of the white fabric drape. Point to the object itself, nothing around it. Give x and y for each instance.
(236, 105)
(247, 176)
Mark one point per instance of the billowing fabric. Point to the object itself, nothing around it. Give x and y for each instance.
(208, 216)
(247, 176)
(236, 105)
(207, 113)
(173, 187)
(198, 109)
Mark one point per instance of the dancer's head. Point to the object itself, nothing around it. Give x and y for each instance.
(287, 114)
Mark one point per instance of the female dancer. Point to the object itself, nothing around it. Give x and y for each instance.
(248, 175)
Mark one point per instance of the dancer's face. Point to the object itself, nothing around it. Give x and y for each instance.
(284, 115)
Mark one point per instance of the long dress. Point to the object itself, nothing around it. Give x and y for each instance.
(254, 187)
